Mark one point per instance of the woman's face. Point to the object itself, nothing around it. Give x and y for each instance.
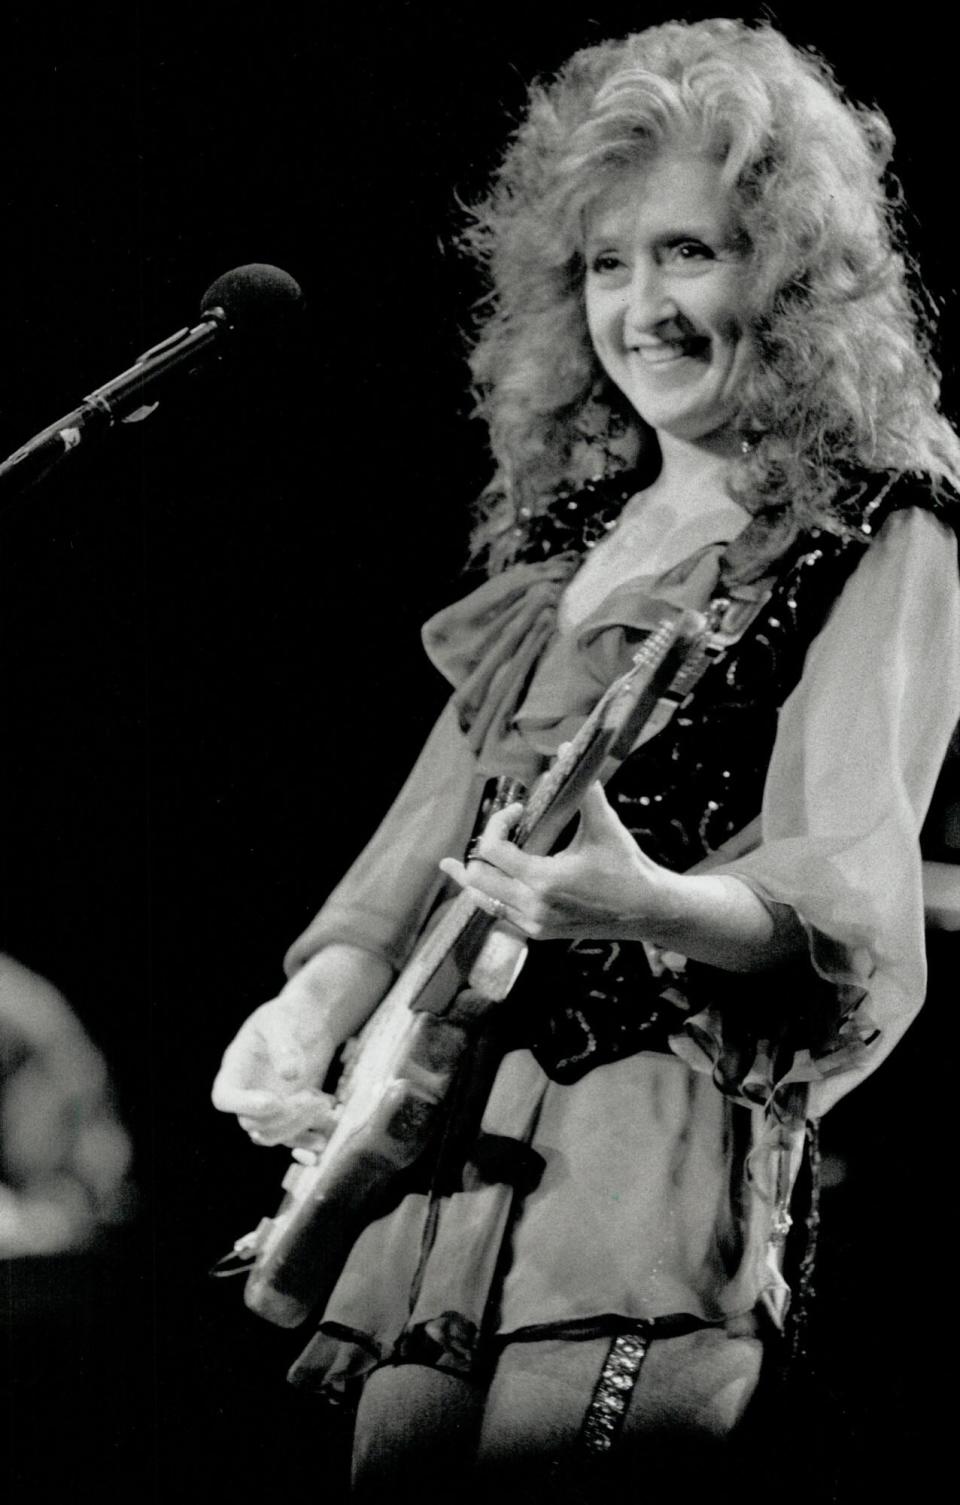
(666, 297)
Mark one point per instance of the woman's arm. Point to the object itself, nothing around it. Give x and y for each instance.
(343, 964)
(382, 902)
(273, 1069)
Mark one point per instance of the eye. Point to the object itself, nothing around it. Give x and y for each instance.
(605, 262)
(689, 251)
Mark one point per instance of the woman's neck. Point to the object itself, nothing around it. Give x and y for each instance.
(694, 470)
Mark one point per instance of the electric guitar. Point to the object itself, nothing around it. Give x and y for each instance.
(397, 1072)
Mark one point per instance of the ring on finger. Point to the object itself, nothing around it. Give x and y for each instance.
(496, 908)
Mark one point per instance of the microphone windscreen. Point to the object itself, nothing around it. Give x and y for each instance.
(258, 300)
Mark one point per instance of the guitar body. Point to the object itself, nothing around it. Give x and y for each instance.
(392, 1094)
(396, 1087)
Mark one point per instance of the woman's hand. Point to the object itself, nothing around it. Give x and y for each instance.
(274, 1067)
(601, 886)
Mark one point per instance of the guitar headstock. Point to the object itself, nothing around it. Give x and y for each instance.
(626, 704)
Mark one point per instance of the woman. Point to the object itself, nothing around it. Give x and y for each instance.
(706, 379)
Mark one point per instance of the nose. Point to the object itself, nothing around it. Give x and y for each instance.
(649, 302)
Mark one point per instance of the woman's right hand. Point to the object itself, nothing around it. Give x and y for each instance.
(273, 1069)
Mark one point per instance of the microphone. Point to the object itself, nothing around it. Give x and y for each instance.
(248, 306)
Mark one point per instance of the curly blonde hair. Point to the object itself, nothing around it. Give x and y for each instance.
(842, 377)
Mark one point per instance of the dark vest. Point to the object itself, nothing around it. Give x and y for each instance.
(682, 795)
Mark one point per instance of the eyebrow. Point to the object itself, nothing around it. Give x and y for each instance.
(679, 231)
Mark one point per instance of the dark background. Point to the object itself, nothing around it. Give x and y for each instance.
(210, 676)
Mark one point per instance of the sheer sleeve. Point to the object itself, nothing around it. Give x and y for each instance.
(385, 897)
(485, 645)
(859, 746)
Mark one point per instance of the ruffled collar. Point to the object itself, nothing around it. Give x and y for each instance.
(488, 646)
(520, 685)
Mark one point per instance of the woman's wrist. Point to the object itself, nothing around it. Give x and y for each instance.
(718, 919)
(341, 984)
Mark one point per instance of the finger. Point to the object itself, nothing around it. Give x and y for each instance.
(293, 1133)
(454, 869)
(509, 919)
(268, 1123)
(313, 1108)
(230, 1097)
(267, 1139)
(499, 853)
(483, 878)
(497, 909)
(308, 1147)
(598, 817)
(492, 891)
(326, 1116)
(490, 904)
(253, 1123)
(294, 1111)
(595, 801)
(314, 1139)
(502, 822)
(307, 1157)
(485, 884)
(493, 848)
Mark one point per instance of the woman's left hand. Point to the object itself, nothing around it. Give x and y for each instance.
(601, 886)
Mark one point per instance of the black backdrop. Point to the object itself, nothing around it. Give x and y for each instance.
(209, 668)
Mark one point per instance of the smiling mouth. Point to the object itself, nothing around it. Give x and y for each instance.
(666, 353)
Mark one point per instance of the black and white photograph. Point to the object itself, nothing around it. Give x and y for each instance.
(480, 795)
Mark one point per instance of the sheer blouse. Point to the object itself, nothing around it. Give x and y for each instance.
(664, 1190)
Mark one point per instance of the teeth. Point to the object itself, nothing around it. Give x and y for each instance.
(661, 355)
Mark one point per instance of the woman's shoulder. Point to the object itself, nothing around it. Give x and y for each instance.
(899, 529)
(573, 518)
(882, 495)
(908, 531)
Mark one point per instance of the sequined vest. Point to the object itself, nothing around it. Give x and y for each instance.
(684, 793)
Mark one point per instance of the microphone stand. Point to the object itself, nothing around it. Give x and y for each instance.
(127, 398)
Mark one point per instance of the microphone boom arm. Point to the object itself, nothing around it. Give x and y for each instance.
(125, 399)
